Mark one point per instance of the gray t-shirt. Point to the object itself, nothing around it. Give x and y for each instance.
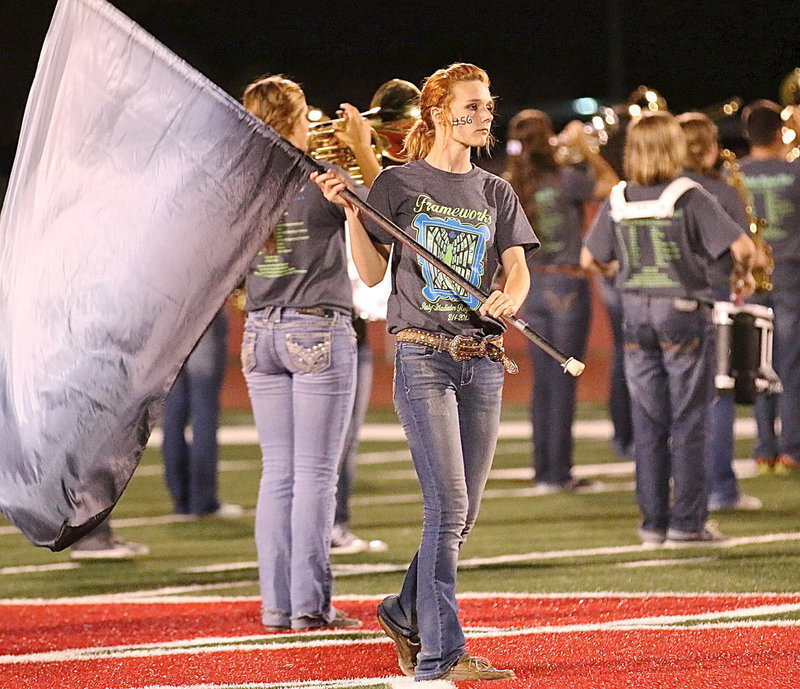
(732, 204)
(304, 262)
(559, 205)
(468, 220)
(775, 187)
(664, 256)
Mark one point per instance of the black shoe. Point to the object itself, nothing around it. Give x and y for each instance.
(408, 645)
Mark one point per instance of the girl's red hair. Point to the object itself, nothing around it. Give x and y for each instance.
(437, 93)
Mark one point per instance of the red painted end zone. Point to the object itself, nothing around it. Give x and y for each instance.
(737, 657)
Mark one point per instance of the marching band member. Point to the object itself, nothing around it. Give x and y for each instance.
(663, 230)
(449, 361)
(774, 184)
(298, 358)
(558, 306)
(702, 153)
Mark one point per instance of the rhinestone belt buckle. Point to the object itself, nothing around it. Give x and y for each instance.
(462, 348)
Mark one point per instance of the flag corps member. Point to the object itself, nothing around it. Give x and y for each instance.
(139, 194)
(449, 362)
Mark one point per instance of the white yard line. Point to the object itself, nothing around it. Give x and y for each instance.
(343, 570)
(596, 429)
(664, 563)
(35, 569)
(383, 682)
(147, 596)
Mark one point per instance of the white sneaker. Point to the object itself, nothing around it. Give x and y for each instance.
(745, 503)
(345, 542)
(107, 547)
(227, 510)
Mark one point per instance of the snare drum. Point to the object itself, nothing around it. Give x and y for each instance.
(744, 351)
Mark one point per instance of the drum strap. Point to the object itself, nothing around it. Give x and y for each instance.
(662, 207)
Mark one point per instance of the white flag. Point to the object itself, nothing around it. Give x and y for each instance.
(139, 194)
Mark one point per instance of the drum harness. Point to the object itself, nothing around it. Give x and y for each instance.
(662, 207)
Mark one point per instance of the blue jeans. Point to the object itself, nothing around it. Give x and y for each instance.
(191, 470)
(619, 399)
(300, 373)
(669, 365)
(785, 302)
(559, 308)
(347, 465)
(450, 411)
(723, 487)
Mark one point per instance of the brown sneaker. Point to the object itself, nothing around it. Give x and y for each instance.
(407, 646)
(473, 668)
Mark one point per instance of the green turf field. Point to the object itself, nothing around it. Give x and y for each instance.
(522, 543)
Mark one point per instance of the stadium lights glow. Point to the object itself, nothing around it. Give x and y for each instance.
(585, 106)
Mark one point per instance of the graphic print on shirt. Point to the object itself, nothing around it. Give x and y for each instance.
(649, 252)
(460, 246)
(772, 202)
(549, 220)
(275, 257)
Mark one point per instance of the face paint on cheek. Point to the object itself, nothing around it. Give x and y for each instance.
(459, 121)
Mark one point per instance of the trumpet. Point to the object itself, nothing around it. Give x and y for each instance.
(393, 110)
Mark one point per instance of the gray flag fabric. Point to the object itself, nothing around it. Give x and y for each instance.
(139, 194)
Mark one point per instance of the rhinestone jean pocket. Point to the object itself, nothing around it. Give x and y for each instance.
(310, 352)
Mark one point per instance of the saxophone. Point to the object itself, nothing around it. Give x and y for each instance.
(763, 263)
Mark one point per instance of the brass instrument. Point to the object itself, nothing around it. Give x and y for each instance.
(790, 100)
(763, 263)
(393, 110)
(598, 129)
(719, 111)
(645, 99)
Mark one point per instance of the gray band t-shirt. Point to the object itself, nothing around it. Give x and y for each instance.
(775, 187)
(732, 204)
(304, 261)
(559, 206)
(669, 256)
(467, 220)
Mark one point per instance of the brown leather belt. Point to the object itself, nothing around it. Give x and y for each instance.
(459, 347)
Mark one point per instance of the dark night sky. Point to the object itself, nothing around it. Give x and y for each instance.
(695, 52)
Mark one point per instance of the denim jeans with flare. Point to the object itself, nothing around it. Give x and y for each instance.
(450, 411)
(300, 373)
